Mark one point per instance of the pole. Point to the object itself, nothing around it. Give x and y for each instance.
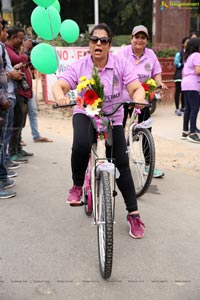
(96, 12)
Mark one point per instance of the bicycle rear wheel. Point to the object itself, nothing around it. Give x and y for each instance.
(104, 224)
(141, 159)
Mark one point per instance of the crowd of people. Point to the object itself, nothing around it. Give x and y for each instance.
(121, 74)
(187, 79)
(16, 101)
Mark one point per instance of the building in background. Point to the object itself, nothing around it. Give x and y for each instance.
(7, 11)
(172, 20)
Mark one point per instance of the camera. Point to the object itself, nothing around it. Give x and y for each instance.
(36, 42)
(24, 84)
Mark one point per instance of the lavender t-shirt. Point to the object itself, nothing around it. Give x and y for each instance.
(117, 73)
(147, 67)
(190, 79)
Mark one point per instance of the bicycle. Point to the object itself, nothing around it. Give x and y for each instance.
(156, 99)
(141, 150)
(100, 189)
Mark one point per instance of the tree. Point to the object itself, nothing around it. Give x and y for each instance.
(120, 15)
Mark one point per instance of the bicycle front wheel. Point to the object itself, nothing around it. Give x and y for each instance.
(141, 159)
(104, 224)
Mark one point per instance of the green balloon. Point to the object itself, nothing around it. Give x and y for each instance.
(44, 3)
(56, 4)
(46, 22)
(44, 58)
(69, 31)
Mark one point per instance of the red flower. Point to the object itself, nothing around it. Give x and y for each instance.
(90, 97)
(146, 87)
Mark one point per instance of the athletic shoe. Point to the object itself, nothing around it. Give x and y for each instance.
(193, 137)
(136, 227)
(184, 135)
(156, 172)
(12, 165)
(197, 130)
(6, 183)
(18, 159)
(24, 153)
(4, 194)
(75, 194)
(182, 110)
(11, 173)
(178, 112)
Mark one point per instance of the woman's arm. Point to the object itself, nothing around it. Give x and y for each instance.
(59, 90)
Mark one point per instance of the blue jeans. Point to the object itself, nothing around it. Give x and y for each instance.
(32, 113)
(192, 102)
(3, 170)
(9, 129)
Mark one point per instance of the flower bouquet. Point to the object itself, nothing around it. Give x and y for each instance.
(91, 94)
(149, 86)
(91, 97)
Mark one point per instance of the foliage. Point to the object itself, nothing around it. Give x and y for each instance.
(165, 50)
(120, 15)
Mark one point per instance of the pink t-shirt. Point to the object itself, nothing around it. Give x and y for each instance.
(117, 73)
(147, 67)
(190, 79)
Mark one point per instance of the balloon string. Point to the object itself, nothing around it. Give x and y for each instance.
(53, 39)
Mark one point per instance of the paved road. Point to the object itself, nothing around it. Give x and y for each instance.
(49, 250)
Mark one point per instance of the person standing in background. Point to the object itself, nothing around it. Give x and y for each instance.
(146, 65)
(191, 88)
(178, 63)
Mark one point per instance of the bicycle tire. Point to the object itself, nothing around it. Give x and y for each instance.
(141, 138)
(152, 108)
(104, 225)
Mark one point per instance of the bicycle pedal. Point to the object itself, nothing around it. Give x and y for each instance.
(77, 204)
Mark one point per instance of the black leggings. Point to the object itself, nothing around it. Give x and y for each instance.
(177, 95)
(83, 137)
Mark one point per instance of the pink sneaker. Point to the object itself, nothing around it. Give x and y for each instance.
(136, 226)
(75, 194)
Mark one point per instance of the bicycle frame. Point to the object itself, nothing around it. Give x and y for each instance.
(98, 161)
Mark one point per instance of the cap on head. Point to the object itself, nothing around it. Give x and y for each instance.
(140, 28)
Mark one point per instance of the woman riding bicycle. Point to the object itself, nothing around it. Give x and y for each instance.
(115, 73)
(146, 65)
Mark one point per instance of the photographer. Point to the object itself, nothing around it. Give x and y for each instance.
(5, 182)
(23, 92)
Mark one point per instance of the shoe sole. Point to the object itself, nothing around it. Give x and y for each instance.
(11, 176)
(191, 140)
(74, 202)
(158, 176)
(13, 168)
(7, 197)
(21, 162)
(9, 186)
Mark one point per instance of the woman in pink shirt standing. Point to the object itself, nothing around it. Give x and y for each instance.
(191, 88)
(146, 65)
(114, 73)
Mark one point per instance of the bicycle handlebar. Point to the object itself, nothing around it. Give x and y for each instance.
(118, 105)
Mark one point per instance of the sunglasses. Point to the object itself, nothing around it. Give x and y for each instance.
(103, 40)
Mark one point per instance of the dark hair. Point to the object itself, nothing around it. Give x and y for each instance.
(197, 35)
(184, 39)
(102, 26)
(193, 45)
(4, 23)
(13, 31)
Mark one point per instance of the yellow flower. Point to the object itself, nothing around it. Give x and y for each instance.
(151, 83)
(82, 78)
(92, 82)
